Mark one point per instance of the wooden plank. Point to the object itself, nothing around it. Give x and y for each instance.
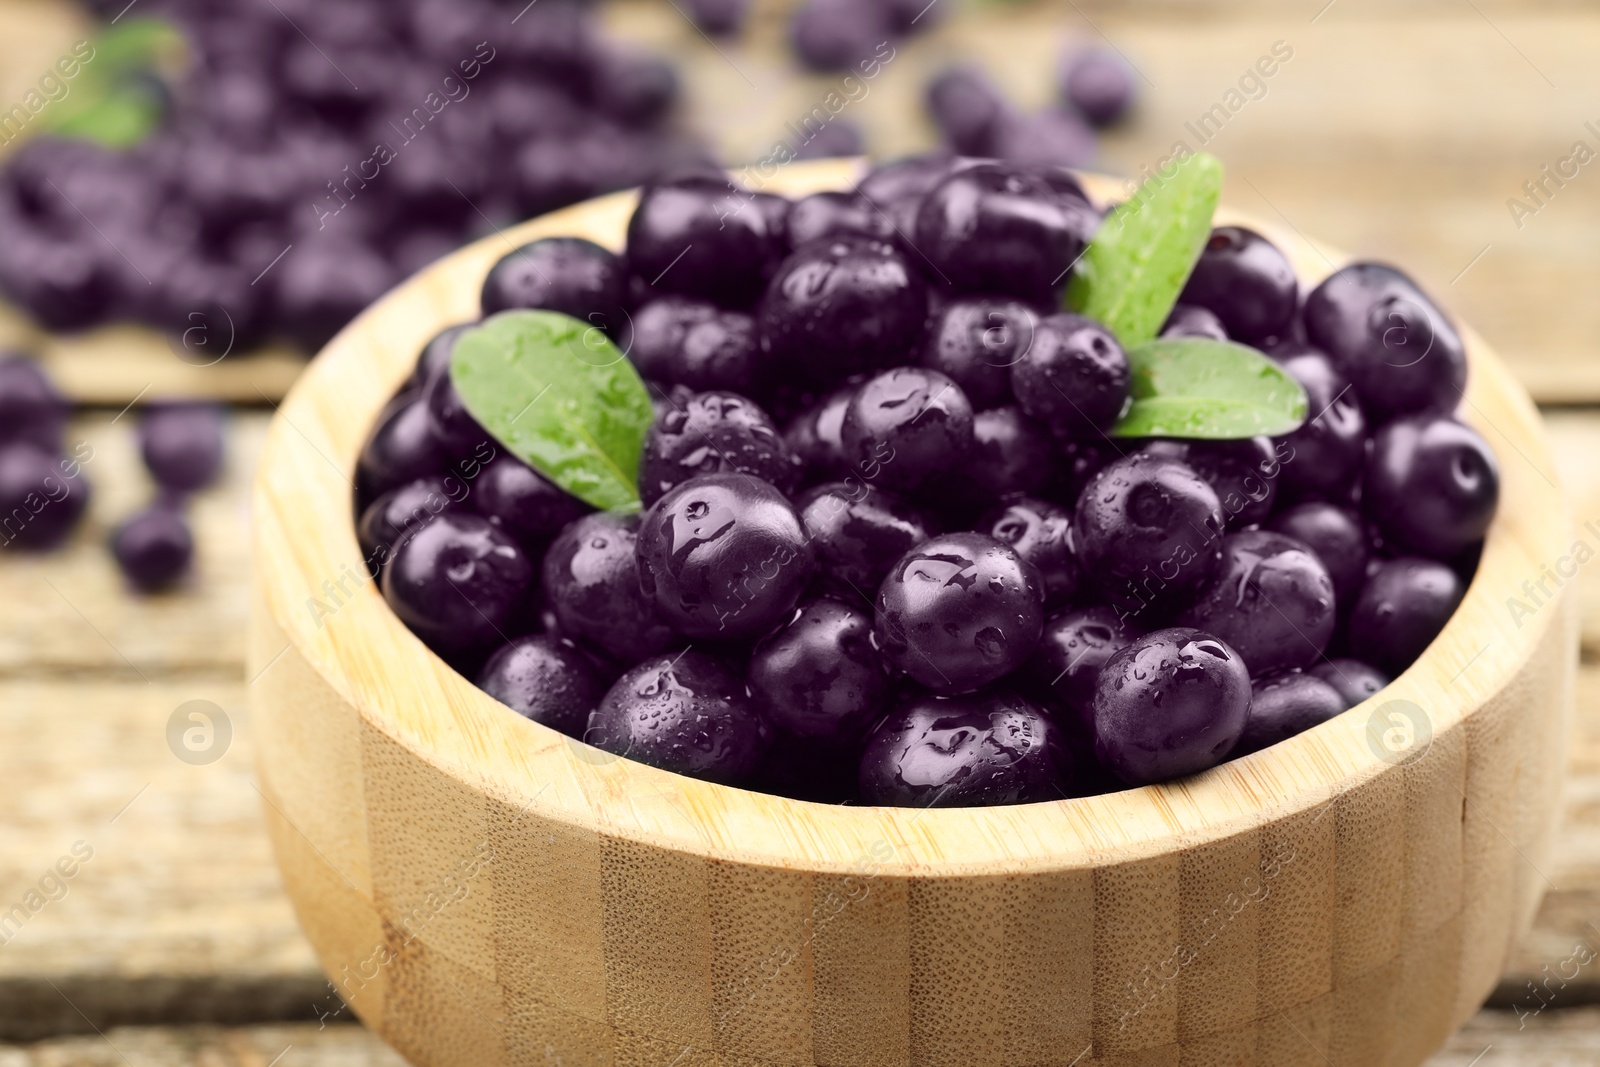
(305, 1045)
(79, 614)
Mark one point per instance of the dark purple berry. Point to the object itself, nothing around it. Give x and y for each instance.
(702, 236)
(718, 17)
(1325, 455)
(182, 443)
(1337, 538)
(1074, 378)
(1432, 485)
(714, 432)
(1244, 280)
(959, 611)
(546, 680)
(967, 107)
(1148, 532)
(858, 532)
(976, 341)
(841, 305)
(1243, 471)
(829, 35)
(634, 88)
(324, 282)
(460, 583)
(1041, 533)
(153, 547)
(1099, 84)
(1353, 680)
(1073, 648)
(566, 274)
(1284, 704)
(906, 425)
(724, 556)
(1011, 456)
(840, 137)
(818, 677)
(523, 502)
(385, 522)
(1272, 602)
(1401, 609)
(1191, 320)
(402, 448)
(434, 359)
(1053, 137)
(42, 496)
(452, 424)
(591, 584)
(687, 713)
(1173, 703)
(815, 435)
(1390, 339)
(31, 408)
(836, 214)
(678, 340)
(980, 749)
(999, 228)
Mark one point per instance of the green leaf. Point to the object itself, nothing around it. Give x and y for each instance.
(1132, 272)
(121, 117)
(560, 396)
(1217, 390)
(136, 44)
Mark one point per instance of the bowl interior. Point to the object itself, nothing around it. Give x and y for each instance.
(305, 537)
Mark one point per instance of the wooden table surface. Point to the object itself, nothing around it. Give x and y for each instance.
(1398, 130)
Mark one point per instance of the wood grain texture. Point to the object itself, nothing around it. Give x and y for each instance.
(721, 926)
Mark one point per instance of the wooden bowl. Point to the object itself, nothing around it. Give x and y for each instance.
(484, 891)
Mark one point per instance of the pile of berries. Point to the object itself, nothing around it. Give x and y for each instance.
(888, 553)
(44, 491)
(319, 151)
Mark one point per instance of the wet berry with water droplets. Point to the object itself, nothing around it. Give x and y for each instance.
(993, 747)
(1272, 602)
(1174, 702)
(905, 426)
(818, 676)
(1244, 472)
(1074, 377)
(724, 556)
(386, 521)
(529, 506)
(858, 531)
(688, 713)
(1335, 534)
(591, 584)
(714, 432)
(1041, 533)
(545, 679)
(976, 341)
(1324, 457)
(959, 611)
(460, 583)
(1148, 531)
(1073, 648)
(681, 340)
(1191, 320)
(701, 236)
(566, 274)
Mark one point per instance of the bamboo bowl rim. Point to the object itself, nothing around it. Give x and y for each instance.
(304, 537)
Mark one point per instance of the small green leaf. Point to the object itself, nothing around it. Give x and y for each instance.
(560, 396)
(120, 117)
(1131, 275)
(136, 44)
(1217, 390)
